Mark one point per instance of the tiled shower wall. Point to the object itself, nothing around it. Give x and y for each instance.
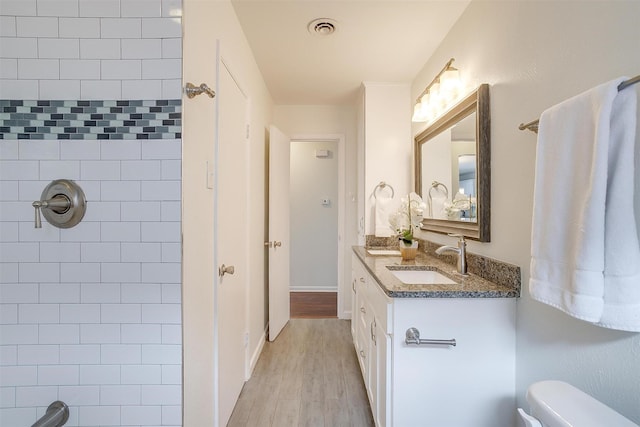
(91, 315)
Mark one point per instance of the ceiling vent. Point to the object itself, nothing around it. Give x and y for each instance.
(322, 26)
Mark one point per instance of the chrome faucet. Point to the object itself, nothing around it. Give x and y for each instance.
(461, 250)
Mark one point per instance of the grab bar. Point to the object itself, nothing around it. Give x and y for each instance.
(56, 416)
(413, 337)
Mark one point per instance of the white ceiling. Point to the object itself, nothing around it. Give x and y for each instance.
(376, 40)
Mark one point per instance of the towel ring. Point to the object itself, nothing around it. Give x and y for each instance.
(381, 186)
(436, 184)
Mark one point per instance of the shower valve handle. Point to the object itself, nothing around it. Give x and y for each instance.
(58, 204)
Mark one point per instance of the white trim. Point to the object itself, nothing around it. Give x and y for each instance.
(328, 288)
(342, 182)
(257, 352)
(216, 279)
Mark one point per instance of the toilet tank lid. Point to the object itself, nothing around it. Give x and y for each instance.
(559, 404)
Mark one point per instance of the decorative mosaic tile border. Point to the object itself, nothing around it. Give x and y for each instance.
(104, 119)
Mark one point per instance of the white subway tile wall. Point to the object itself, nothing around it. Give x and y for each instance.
(92, 315)
(95, 49)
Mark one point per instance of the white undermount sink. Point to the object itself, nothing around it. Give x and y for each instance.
(383, 252)
(421, 277)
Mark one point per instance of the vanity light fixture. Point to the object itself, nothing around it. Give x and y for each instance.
(443, 91)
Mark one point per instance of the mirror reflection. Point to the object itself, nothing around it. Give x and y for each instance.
(452, 158)
(449, 187)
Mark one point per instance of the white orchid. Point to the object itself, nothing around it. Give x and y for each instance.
(408, 216)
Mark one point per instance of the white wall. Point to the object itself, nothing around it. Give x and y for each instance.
(314, 223)
(91, 315)
(534, 55)
(388, 147)
(297, 120)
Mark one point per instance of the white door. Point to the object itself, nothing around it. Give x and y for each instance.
(231, 242)
(279, 242)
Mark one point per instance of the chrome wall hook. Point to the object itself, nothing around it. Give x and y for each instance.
(63, 204)
(192, 90)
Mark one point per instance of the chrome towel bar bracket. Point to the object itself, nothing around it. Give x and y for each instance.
(192, 90)
(413, 337)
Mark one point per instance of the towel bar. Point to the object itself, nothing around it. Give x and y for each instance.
(533, 125)
(412, 336)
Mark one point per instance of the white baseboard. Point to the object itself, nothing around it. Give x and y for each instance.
(313, 289)
(345, 314)
(257, 352)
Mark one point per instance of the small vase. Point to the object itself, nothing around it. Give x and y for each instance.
(408, 251)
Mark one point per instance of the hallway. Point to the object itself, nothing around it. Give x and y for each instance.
(308, 377)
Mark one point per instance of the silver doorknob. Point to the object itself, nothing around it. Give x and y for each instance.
(277, 244)
(224, 269)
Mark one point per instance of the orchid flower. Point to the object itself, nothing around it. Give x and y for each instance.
(408, 216)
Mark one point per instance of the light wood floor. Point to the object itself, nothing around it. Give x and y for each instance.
(308, 377)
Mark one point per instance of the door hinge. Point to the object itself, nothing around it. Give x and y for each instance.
(248, 127)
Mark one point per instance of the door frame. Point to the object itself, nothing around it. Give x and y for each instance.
(342, 313)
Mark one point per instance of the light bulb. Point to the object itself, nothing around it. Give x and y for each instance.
(418, 114)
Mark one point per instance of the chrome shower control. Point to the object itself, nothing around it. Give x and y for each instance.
(62, 204)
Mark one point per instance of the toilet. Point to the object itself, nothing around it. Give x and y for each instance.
(558, 404)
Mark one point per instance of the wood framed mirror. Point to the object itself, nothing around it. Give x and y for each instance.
(453, 169)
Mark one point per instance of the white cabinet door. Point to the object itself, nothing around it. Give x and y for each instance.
(357, 272)
(431, 381)
(382, 345)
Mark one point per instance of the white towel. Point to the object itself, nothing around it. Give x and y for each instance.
(437, 207)
(381, 220)
(585, 258)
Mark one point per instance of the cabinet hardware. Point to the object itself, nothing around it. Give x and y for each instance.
(413, 337)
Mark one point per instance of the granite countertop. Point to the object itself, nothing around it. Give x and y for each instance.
(471, 286)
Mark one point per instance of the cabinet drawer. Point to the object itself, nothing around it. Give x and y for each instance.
(381, 305)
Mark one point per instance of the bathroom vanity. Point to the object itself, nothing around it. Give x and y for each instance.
(463, 371)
